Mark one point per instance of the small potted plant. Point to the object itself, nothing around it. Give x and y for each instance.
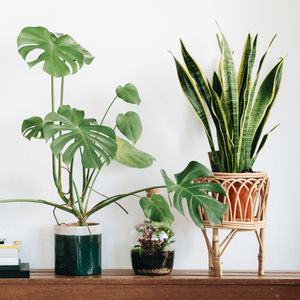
(78, 141)
(152, 242)
(239, 114)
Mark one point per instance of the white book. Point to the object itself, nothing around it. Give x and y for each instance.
(9, 252)
(9, 261)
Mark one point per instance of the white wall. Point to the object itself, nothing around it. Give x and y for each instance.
(130, 40)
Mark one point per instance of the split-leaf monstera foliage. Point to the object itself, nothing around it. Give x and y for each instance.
(238, 112)
(70, 134)
(73, 137)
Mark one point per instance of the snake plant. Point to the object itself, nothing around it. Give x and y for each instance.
(238, 111)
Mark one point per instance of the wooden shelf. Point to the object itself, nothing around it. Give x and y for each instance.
(180, 284)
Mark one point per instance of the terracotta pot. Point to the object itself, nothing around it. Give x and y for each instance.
(242, 206)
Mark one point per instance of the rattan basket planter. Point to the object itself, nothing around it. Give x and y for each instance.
(247, 200)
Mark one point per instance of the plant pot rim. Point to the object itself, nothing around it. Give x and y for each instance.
(255, 174)
(75, 229)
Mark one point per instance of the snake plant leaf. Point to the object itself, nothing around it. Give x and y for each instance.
(75, 133)
(195, 194)
(221, 122)
(262, 143)
(131, 157)
(245, 100)
(33, 127)
(60, 52)
(264, 101)
(230, 89)
(130, 125)
(128, 93)
(157, 209)
(242, 75)
(196, 72)
(193, 96)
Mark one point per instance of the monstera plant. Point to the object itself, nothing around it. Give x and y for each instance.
(73, 138)
(239, 112)
(76, 140)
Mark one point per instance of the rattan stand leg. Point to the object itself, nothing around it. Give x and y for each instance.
(216, 260)
(261, 255)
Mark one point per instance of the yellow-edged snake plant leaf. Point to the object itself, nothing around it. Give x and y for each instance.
(157, 209)
(130, 125)
(61, 55)
(192, 94)
(98, 142)
(196, 194)
(131, 157)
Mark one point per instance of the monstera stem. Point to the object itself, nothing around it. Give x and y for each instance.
(62, 91)
(52, 94)
(91, 188)
(108, 110)
(72, 196)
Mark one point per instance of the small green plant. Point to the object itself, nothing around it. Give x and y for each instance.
(238, 112)
(156, 238)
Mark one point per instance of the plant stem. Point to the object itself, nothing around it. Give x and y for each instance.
(62, 90)
(64, 208)
(52, 94)
(115, 198)
(108, 109)
(91, 188)
(60, 155)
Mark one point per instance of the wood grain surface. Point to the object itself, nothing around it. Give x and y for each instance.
(180, 284)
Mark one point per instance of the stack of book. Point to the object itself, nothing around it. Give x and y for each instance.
(10, 264)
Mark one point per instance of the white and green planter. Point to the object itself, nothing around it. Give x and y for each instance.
(78, 249)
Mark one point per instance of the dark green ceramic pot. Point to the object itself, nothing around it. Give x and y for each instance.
(78, 250)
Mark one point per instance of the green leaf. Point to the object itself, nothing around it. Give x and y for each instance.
(130, 125)
(33, 127)
(61, 52)
(157, 209)
(132, 157)
(264, 101)
(128, 93)
(196, 72)
(261, 145)
(192, 94)
(193, 171)
(195, 194)
(98, 142)
(230, 91)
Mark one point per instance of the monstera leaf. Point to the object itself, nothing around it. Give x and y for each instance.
(60, 51)
(132, 157)
(33, 127)
(195, 195)
(130, 125)
(76, 132)
(157, 209)
(128, 93)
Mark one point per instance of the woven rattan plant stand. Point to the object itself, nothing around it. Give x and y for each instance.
(251, 188)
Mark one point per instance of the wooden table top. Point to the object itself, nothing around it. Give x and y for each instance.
(180, 284)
